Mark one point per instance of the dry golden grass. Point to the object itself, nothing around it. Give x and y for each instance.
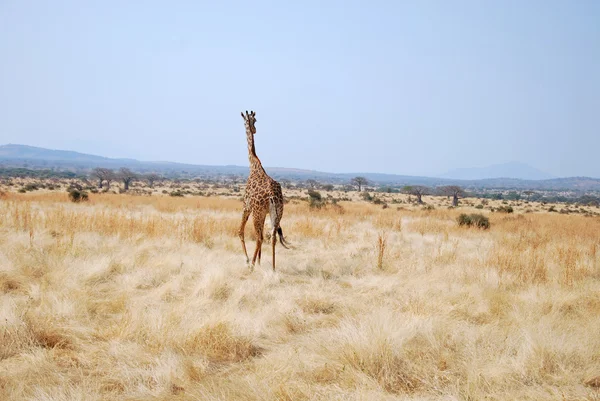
(136, 298)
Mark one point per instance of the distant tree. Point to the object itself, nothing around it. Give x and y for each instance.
(528, 193)
(312, 184)
(127, 176)
(151, 178)
(416, 190)
(285, 183)
(513, 195)
(454, 191)
(359, 182)
(328, 187)
(102, 174)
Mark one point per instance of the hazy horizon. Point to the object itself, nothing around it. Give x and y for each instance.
(400, 88)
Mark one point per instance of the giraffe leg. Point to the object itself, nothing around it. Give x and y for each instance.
(245, 216)
(259, 223)
(273, 242)
(276, 213)
(257, 250)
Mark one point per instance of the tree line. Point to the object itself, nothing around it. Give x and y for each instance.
(419, 191)
(105, 176)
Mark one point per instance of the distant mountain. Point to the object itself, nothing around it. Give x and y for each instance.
(22, 156)
(12, 151)
(13, 155)
(506, 170)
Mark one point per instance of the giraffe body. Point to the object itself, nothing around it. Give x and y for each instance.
(263, 196)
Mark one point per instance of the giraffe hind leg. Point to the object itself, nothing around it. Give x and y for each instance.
(276, 214)
(259, 223)
(245, 216)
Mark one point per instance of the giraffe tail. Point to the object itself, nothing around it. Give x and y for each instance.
(282, 240)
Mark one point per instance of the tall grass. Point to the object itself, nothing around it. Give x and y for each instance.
(131, 297)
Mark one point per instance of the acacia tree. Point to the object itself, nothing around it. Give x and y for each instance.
(416, 190)
(455, 191)
(126, 175)
(359, 182)
(102, 174)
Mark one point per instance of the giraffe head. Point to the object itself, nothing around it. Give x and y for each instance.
(250, 120)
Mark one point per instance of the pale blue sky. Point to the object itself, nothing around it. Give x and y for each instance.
(403, 87)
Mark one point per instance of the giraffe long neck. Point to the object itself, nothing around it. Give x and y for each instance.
(252, 157)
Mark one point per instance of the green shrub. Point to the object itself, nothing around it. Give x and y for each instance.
(366, 196)
(473, 220)
(428, 208)
(315, 200)
(505, 209)
(479, 207)
(78, 196)
(176, 193)
(480, 221)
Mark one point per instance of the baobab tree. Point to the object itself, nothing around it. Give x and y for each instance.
(416, 190)
(359, 182)
(453, 190)
(126, 175)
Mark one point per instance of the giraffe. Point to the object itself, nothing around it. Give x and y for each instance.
(262, 196)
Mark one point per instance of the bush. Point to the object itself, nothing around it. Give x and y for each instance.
(78, 196)
(315, 200)
(505, 209)
(473, 220)
(176, 193)
(428, 208)
(479, 207)
(366, 196)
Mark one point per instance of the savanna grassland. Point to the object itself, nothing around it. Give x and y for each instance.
(149, 298)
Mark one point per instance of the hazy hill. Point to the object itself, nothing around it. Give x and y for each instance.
(12, 155)
(505, 170)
